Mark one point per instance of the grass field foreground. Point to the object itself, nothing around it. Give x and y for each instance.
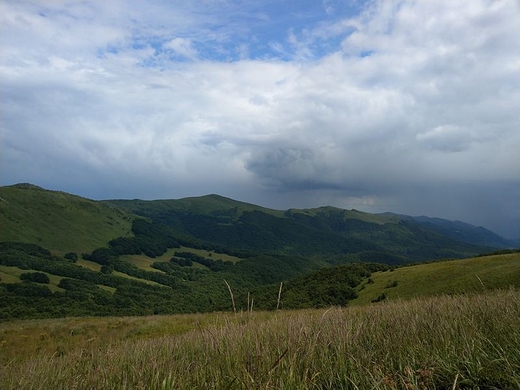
(449, 342)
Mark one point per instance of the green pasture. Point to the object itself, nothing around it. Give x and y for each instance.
(210, 255)
(144, 262)
(97, 267)
(89, 265)
(12, 275)
(442, 277)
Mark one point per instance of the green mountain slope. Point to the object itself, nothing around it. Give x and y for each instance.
(366, 283)
(62, 222)
(112, 285)
(35, 284)
(335, 235)
(57, 220)
(443, 277)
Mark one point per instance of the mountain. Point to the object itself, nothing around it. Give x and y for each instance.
(465, 232)
(35, 284)
(61, 254)
(65, 222)
(332, 234)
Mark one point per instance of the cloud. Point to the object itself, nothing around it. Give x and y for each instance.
(399, 106)
(182, 47)
(446, 138)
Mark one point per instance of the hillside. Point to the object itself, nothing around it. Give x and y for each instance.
(62, 222)
(36, 284)
(465, 232)
(442, 277)
(57, 220)
(366, 283)
(334, 235)
(63, 255)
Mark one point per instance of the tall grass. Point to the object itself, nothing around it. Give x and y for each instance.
(448, 342)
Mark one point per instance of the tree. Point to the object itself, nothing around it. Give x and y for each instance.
(107, 269)
(71, 256)
(37, 277)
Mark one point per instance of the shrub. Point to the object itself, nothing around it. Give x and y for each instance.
(392, 284)
(380, 298)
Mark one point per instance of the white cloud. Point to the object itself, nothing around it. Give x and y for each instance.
(182, 47)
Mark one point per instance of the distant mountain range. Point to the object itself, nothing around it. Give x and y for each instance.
(462, 231)
(60, 221)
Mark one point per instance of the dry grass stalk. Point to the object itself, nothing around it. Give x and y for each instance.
(480, 280)
(231, 294)
(456, 377)
(279, 296)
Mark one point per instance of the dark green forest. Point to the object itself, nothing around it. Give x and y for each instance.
(180, 289)
(333, 234)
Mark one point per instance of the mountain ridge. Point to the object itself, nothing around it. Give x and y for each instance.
(230, 223)
(464, 231)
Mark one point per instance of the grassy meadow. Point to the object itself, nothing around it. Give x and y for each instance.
(12, 275)
(442, 277)
(466, 341)
(145, 263)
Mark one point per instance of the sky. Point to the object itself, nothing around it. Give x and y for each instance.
(410, 107)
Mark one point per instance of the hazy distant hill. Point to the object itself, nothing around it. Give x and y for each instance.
(465, 232)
